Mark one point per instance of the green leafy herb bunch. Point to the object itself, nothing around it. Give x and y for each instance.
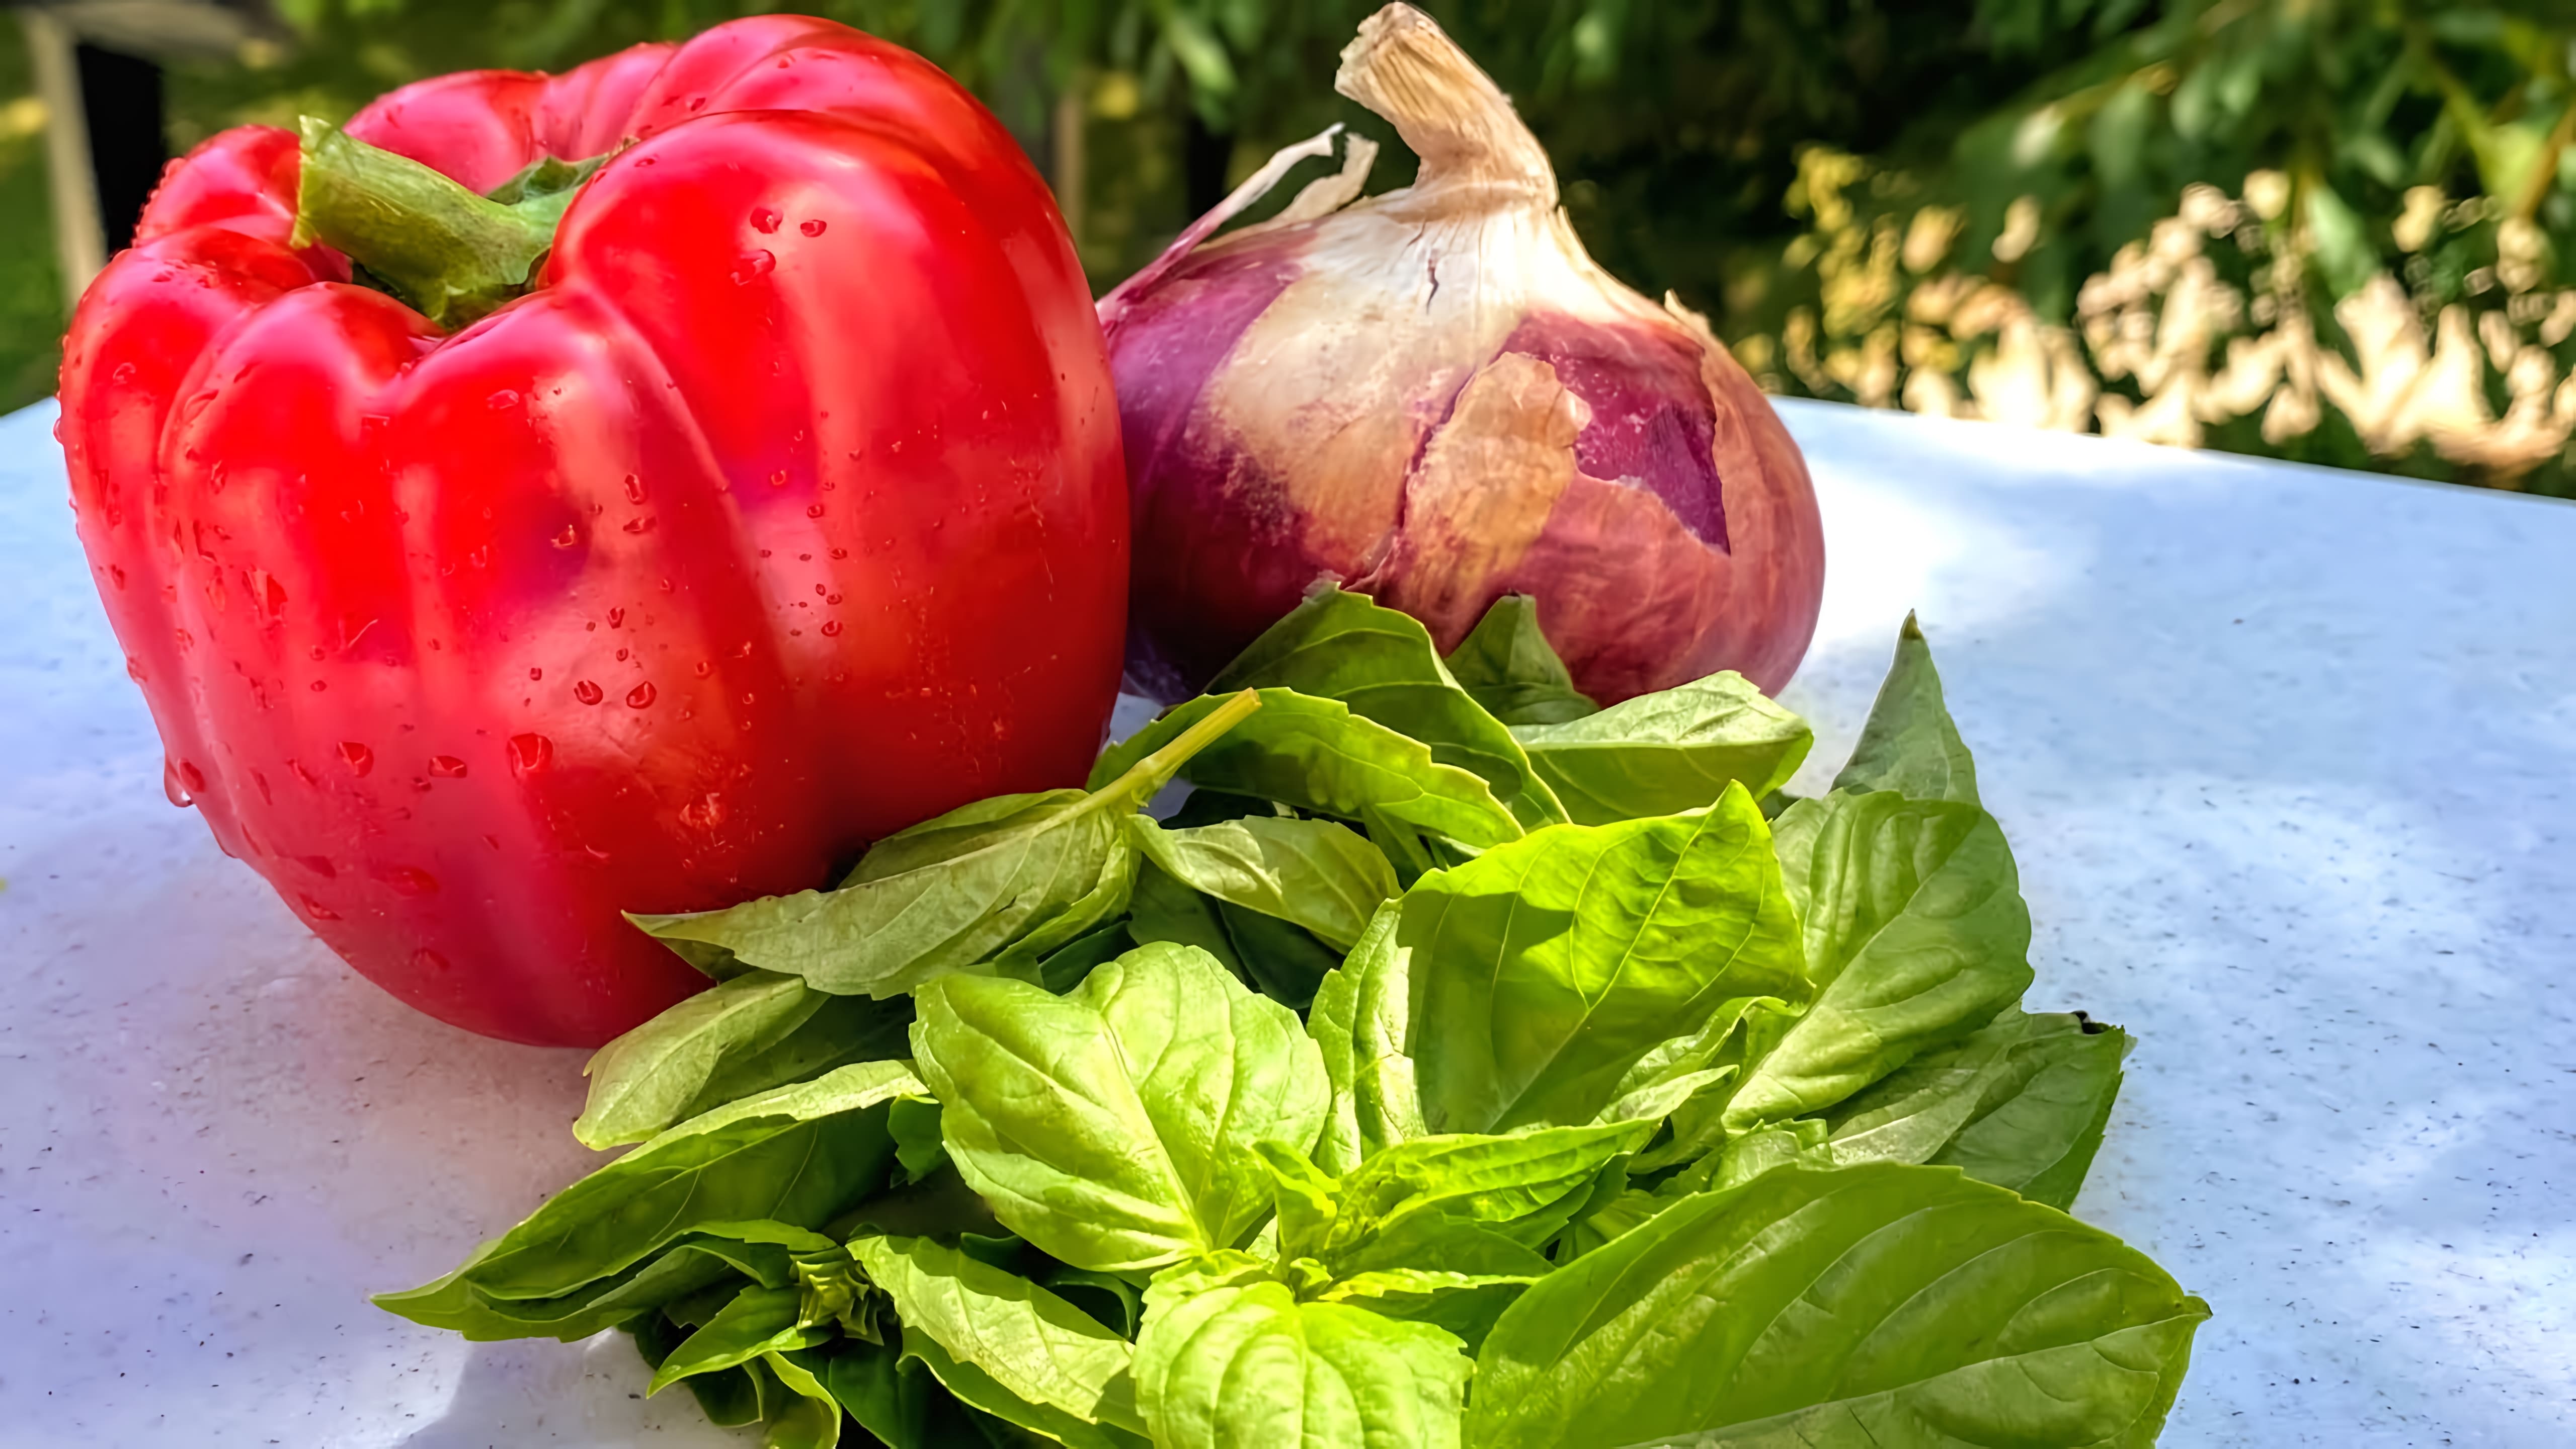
(1459, 1065)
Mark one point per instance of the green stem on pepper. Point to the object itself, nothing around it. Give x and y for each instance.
(419, 234)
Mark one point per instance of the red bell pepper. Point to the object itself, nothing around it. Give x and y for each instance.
(775, 504)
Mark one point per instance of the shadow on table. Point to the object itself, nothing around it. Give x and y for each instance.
(578, 1395)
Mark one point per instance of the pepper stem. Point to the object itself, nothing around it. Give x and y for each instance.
(448, 252)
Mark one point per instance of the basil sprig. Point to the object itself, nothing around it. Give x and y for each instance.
(1460, 1065)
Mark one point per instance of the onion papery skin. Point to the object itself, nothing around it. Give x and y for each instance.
(1435, 397)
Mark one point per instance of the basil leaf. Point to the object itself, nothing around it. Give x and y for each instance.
(716, 1254)
(1764, 1149)
(889, 1395)
(1664, 753)
(744, 1035)
(1162, 909)
(1215, 807)
(1112, 1127)
(762, 1250)
(1738, 1034)
(939, 1203)
(1283, 961)
(1701, 1060)
(1910, 745)
(884, 936)
(799, 1155)
(1064, 968)
(1466, 1304)
(714, 962)
(727, 1397)
(1381, 662)
(1875, 1305)
(1250, 1365)
(1361, 1022)
(1317, 755)
(2021, 1104)
(1225, 1268)
(1606, 1218)
(1318, 874)
(1032, 1343)
(1111, 1299)
(1552, 965)
(943, 838)
(1405, 847)
(980, 1390)
(589, 1309)
(843, 1031)
(1507, 665)
(757, 1321)
(914, 1124)
(1304, 1198)
(1468, 1204)
(1915, 936)
(1030, 872)
(805, 1416)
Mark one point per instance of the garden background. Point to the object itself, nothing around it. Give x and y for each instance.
(2340, 231)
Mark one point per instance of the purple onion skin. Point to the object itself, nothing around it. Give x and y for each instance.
(1215, 554)
(1679, 538)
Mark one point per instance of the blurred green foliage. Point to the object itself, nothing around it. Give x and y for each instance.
(1675, 123)
(2396, 157)
(31, 291)
(1680, 128)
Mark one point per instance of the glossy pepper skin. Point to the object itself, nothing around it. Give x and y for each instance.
(785, 511)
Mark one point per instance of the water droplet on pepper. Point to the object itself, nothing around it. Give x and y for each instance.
(586, 692)
(447, 767)
(409, 880)
(356, 756)
(530, 754)
(640, 697)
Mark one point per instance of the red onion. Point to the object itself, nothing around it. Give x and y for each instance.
(1437, 398)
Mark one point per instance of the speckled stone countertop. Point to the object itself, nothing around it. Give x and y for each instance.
(2288, 757)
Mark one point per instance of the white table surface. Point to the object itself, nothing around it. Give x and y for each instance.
(2288, 757)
